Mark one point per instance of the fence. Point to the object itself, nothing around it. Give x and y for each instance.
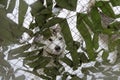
(77, 36)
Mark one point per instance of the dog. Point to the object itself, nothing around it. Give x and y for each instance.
(54, 47)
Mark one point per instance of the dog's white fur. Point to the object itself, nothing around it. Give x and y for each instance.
(54, 47)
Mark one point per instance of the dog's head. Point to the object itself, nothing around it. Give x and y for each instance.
(55, 44)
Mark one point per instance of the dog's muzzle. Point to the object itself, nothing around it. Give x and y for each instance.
(57, 48)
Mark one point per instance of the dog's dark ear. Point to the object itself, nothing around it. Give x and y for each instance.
(39, 39)
(55, 29)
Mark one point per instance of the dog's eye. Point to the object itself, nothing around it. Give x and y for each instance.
(60, 38)
(50, 39)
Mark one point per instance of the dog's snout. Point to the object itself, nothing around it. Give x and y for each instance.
(57, 48)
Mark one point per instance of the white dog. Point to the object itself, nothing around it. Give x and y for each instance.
(55, 45)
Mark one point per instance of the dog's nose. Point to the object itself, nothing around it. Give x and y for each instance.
(57, 48)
